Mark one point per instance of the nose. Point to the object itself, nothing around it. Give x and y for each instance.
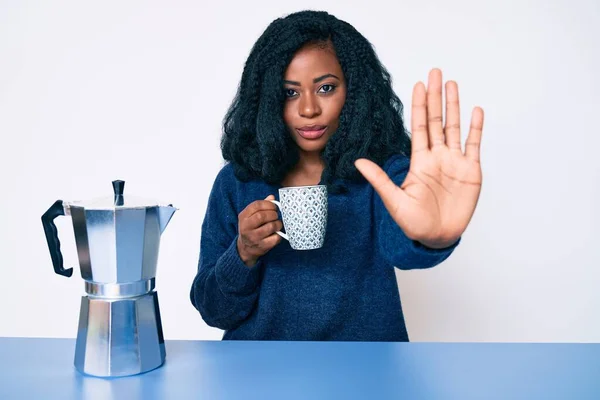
(309, 106)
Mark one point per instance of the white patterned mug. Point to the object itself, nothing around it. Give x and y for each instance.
(304, 214)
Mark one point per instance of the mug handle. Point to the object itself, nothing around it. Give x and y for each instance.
(278, 204)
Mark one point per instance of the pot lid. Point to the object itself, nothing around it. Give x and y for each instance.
(118, 201)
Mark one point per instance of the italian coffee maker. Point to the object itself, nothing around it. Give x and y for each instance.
(117, 240)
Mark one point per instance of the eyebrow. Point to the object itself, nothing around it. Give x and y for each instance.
(314, 80)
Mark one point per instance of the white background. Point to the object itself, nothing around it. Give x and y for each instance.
(90, 93)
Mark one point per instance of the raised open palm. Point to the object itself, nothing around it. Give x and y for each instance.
(437, 199)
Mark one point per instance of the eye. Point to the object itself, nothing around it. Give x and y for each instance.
(327, 88)
(290, 93)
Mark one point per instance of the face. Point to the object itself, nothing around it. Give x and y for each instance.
(315, 92)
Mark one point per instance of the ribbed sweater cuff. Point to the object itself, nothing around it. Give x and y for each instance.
(233, 276)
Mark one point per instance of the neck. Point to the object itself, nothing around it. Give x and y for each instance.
(310, 163)
(307, 171)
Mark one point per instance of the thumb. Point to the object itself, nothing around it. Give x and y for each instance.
(381, 182)
(376, 176)
(270, 197)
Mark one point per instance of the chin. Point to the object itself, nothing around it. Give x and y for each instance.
(311, 146)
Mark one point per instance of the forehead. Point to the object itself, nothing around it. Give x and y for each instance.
(311, 61)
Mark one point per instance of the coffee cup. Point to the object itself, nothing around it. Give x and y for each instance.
(304, 215)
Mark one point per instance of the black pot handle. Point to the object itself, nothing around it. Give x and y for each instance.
(52, 237)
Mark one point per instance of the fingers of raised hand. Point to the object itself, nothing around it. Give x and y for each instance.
(434, 109)
(420, 140)
(430, 130)
(473, 144)
(452, 126)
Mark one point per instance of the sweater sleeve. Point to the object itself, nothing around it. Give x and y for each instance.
(392, 243)
(224, 290)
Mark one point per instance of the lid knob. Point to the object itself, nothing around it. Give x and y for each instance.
(118, 187)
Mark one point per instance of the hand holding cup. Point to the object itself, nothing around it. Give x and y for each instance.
(258, 225)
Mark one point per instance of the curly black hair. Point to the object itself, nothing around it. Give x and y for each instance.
(255, 139)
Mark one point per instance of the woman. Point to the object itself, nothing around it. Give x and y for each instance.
(315, 105)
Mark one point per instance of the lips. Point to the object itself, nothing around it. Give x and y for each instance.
(312, 132)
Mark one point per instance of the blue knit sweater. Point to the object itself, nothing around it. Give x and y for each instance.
(344, 291)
